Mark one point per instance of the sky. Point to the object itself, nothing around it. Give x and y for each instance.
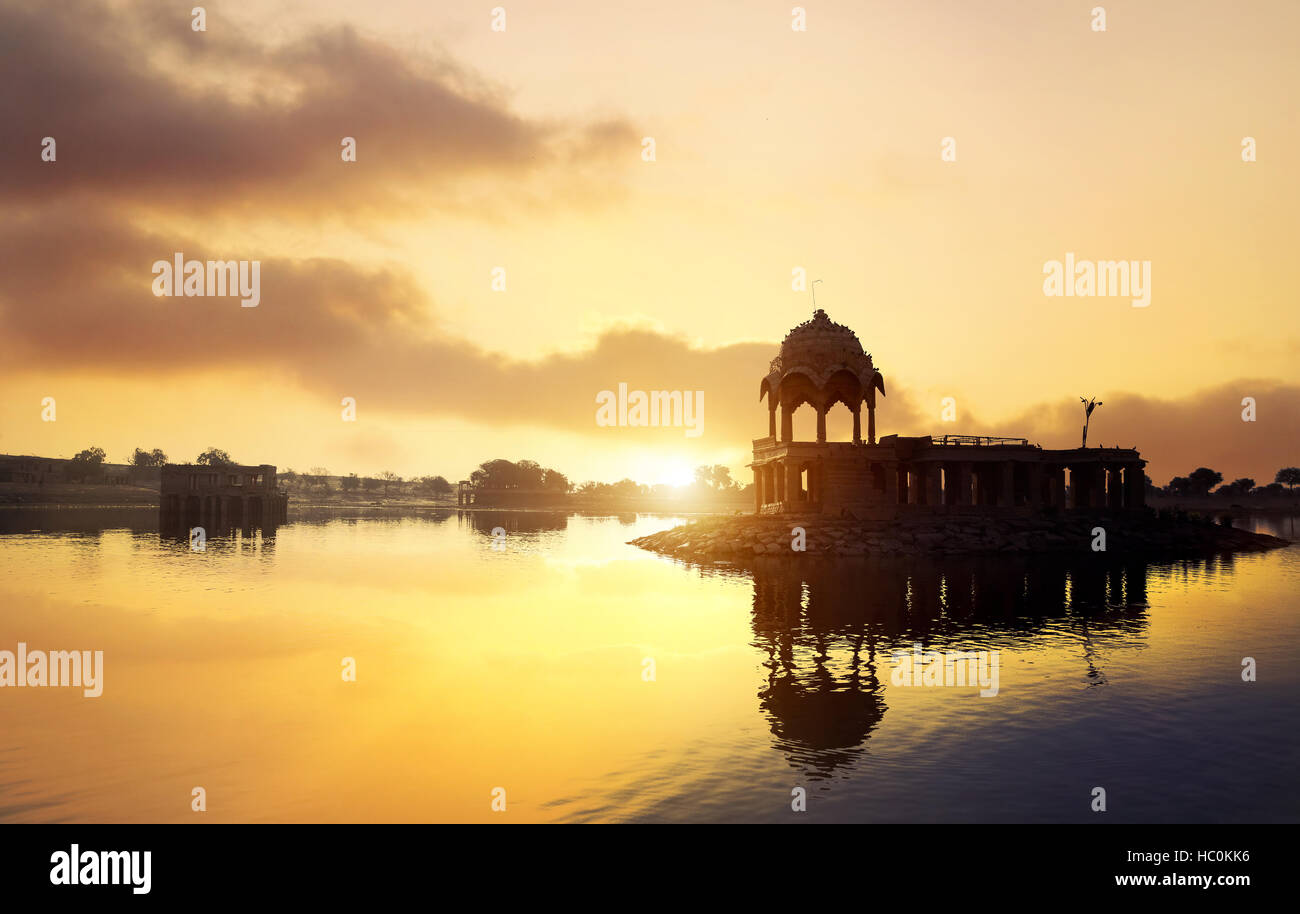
(775, 150)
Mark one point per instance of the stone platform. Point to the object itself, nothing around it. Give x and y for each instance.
(740, 538)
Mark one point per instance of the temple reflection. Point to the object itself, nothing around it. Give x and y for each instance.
(828, 630)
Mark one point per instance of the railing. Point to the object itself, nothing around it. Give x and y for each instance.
(978, 440)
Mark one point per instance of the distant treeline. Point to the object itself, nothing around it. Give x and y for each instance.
(1201, 483)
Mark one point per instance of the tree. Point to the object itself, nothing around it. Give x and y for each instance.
(391, 479)
(214, 457)
(369, 483)
(87, 464)
(1289, 477)
(555, 480)
(350, 482)
(432, 485)
(321, 478)
(1237, 487)
(716, 477)
(1203, 479)
(143, 458)
(1179, 485)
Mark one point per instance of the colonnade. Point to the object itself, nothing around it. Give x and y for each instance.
(216, 512)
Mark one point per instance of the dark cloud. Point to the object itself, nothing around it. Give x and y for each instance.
(76, 295)
(150, 114)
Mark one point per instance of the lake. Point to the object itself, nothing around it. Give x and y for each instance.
(594, 681)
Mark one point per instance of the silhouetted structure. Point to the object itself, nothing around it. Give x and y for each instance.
(822, 363)
(217, 497)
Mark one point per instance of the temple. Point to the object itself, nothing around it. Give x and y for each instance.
(822, 363)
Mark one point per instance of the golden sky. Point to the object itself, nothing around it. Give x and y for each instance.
(522, 149)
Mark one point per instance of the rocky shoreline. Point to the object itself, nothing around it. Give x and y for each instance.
(739, 538)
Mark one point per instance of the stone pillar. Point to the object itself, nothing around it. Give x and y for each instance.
(1135, 486)
(891, 484)
(871, 423)
(821, 424)
(758, 489)
(792, 484)
(963, 483)
(1035, 485)
(914, 480)
(771, 417)
(787, 423)
(1096, 487)
(1114, 489)
(933, 490)
(857, 425)
(1007, 484)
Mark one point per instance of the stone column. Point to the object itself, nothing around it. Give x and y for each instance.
(771, 417)
(1035, 485)
(1056, 487)
(1114, 489)
(758, 489)
(914, 485)
(787, 423)
(933, 490)
(821, 424)
(871, 423)
(857, 425)
(1007, 484)
(1135, 486)
(1097, 487)
(891, 484)
(792, 484)
(963, 483)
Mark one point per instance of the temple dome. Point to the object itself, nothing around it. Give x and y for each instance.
(818, 350)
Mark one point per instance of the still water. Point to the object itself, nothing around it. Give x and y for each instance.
(527, 668)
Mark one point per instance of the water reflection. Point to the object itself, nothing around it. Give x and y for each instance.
(827, 632)
(485, 522)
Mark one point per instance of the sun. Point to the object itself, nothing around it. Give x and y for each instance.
(677, 473)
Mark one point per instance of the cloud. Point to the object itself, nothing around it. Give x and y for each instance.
(76, 296)
(150, 114)
(1175, 436)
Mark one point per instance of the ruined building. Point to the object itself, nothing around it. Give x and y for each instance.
(220, 497)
